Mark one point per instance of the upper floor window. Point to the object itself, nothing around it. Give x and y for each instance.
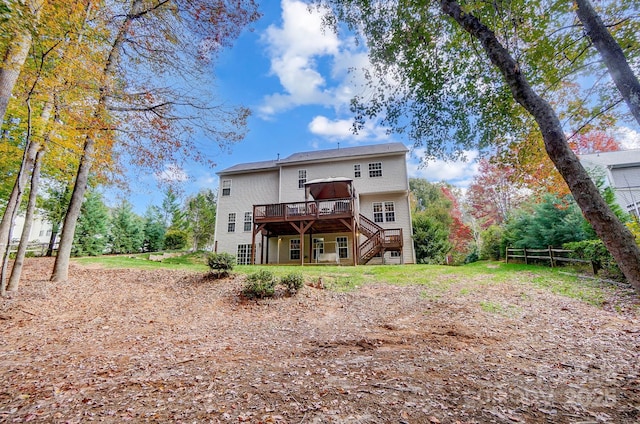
(375, 169)
(384, 212)
(302, 177)
(248, 221)
(231, 226)
(357, 173)
(226, 187)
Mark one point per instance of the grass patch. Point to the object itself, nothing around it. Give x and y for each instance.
(467, 279)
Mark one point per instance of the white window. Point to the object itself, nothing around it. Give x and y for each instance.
(395, 254)
(375, 169)
(231, 226)
(384, 212)
(294, 249)
(244, 254)
(343, 247)
(302, 177)
(356, 171)
(226, 187)
(248, 221)
(318, 247)
(389, 212)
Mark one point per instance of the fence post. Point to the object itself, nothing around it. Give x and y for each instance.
(506, 255)
(551, 256)
(524, 252)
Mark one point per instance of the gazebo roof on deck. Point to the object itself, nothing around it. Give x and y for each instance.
(329, 188)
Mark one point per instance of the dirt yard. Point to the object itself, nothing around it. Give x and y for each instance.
(165, 346)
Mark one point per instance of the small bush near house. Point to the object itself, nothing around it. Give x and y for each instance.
(260, 285)
(221, 263)
(293, 282)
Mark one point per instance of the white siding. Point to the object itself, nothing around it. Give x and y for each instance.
(256, 188)
(402, 219)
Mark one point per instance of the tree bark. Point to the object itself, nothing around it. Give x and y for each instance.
(616, 236)
(16, 271)
(55, 227)
(13, 203)
(612, 56)
(14, 58)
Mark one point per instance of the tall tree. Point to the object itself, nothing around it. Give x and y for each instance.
(53, 206)
(434, 79)
(24, 19)
(612, 55)
(154, 230)
(93, 225)
(151, 39)
(495, 181)
(201, 216)
(127, 230)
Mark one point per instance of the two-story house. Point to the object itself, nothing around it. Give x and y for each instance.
(346, 206)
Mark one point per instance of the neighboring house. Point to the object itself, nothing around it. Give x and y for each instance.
(621, 171)
(38, 237)
(347, 205)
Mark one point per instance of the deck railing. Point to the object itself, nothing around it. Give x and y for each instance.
(318, 209)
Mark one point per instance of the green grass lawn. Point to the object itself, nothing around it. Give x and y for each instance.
(466, 279)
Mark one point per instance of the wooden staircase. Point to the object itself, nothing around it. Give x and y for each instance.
(378, 240)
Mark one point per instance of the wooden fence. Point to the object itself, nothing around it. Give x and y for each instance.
(37, 249)
(554, 256)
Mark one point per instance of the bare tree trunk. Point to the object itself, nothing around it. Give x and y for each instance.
(55, 227)
(61, 265)
(16, 271)
(13, 203)
(14, 58)
(616, 237)
(612, 55)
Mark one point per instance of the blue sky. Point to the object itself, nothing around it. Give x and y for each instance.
(294, 76)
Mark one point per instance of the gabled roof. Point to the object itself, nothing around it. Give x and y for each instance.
(319, 155)
(250, 166)
(618, 159)
(346, 152)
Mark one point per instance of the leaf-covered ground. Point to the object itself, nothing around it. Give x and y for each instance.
(168, 346)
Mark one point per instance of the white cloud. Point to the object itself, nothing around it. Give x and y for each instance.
(458, 173)
(628, 138)
(295, 49)
(341, 129)
(316, 67)
(172, 173)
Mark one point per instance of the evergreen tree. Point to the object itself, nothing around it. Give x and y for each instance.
(154, 230)
(127, 230)
(552, 222)
(431, 239)
(172, 213)
(91, 232)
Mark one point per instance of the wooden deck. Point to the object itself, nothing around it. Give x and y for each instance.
(326, 215)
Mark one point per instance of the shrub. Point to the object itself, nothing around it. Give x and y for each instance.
(595, 251)
(175, 239)
(221, 263)
(260, 285)
(490, 248)
(293, 282)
